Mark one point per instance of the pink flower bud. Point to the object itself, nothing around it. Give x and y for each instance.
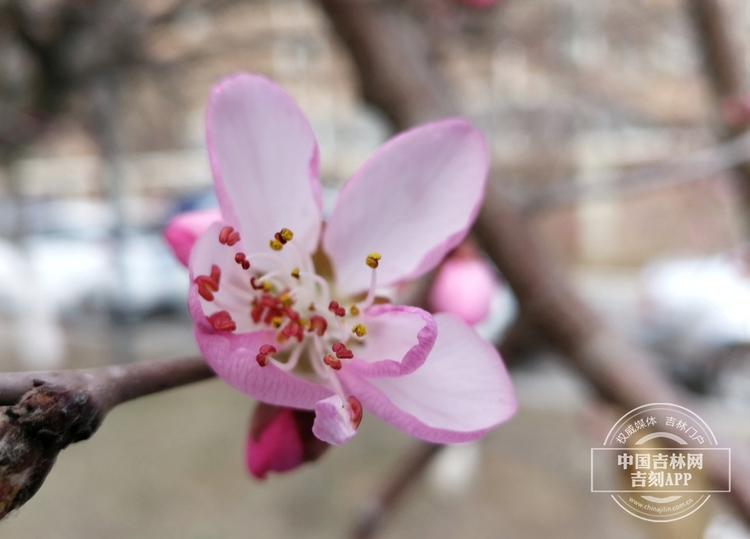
(280, 440)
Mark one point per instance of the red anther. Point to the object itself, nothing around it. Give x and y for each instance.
(233, 238)
(224, 234)
(318, 324)
(333, 306)
(204, 291)
(267, 349)
(340, 311)
(293, 329)
(291, 313)
(239, 257)
(262, 360)
(206, 286)
(332, 362)
(256, 314)
(341, 351)
(216, 275)
(208, 282)
(356, 410)
(267, 300)
(254, 285)
(245, 265)
(222, 321)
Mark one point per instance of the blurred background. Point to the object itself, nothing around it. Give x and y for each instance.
(602, 126)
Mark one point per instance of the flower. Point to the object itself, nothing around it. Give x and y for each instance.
(464, 285)
(289, 312)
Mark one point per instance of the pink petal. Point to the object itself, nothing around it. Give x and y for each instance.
(461, 391)
(398, 339)
(412, 202)
(232, 357)
(264, 158)
(464, 287)
(333, 422)
(278, 447)
(183, 230)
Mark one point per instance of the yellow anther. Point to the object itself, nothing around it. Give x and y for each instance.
(311, 307)
(353, 310)
(275, 244)
(304, 322)
(359, 330)
(286, 300)
(295, 273)
(372, 260)
(268, 287)
(276, 321)
(286, 234)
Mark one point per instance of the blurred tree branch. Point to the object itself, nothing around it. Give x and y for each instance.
(47, 411)
(399, 75)
(724, 73)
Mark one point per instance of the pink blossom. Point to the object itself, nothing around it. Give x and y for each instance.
(280, 439)
(289, 312)
(464, 285)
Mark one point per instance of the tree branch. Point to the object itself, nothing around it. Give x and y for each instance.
(47, 411)
(724, 73)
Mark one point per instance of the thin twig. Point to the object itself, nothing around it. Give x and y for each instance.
(406, 474)
(47, 411)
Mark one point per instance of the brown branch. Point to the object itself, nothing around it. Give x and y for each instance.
(47, 411)
(724, 73)
(395, 74)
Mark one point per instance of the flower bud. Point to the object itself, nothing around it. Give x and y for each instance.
(280, 439)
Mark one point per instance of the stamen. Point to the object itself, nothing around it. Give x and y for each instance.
(228, 236)
(332, 362)
(263, 353)
(216, 274)
(285, 235)
(242, 260)
(353, 310)
(276, 245)
(341, 351)
(222, 321)
(356, 410)
(224, 234)
(371, 292)
(255, 285)
(280, 239)
(293, 329)
(318, 324)
(359, 330)
(207, 285)
(336, 309)
(295, 273)
(372, 260)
